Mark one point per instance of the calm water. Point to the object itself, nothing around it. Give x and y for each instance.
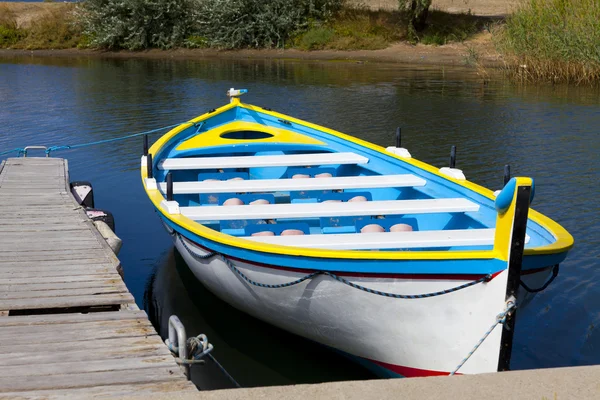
(551, 134)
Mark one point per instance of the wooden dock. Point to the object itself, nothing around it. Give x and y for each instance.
(68, 324)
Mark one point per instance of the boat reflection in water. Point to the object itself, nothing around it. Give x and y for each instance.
(253, 352)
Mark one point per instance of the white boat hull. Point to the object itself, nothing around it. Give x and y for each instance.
(410, 337)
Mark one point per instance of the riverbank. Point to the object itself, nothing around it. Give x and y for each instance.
(477, 49)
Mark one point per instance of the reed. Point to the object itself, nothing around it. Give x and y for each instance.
(554, 41)
(56, 29)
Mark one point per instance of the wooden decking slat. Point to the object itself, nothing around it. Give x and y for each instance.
(117, 391)
(66, 302)
(55, 265)
(79, 380)
(50, 319)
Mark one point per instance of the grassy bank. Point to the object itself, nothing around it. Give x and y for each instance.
(56, 26)
(52, 28)
(554, 41)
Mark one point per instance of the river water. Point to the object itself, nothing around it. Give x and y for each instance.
(549, 133)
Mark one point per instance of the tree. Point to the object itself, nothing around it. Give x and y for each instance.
(417, 11)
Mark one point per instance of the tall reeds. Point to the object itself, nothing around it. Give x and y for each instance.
(554, 41)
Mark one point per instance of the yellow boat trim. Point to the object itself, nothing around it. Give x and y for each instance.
(564, 240)
(505, 221)
(213, 137)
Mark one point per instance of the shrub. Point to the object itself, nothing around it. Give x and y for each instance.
(53, 30)
(137, 24)
(257, 23)
(9, 32)
(555, 40)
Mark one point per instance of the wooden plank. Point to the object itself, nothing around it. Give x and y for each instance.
(79, 380)
(71, 318)
(110, 277)
(5, 266)
(66, 255)
(72, 331)
(54, 239)
(282, 185)
(138, 390)
(43, 228)
(43, 273)
(149, 350)
(72, 301)
(76, 334)
(87, 366)
(34, 245)
(315, 210)
(99, 344)
(262, 161)
(88, 291)
(41, 289)
(47, 236)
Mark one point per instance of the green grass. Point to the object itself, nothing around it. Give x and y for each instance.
(354, 29)
(555, 41)
(363, 29)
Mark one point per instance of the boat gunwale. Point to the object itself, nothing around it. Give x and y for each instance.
(563, 239)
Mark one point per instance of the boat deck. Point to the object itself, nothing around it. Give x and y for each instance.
(68, 324)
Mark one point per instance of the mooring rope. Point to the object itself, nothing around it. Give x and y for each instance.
(18, 150)
(76, 146)
(21, 150)
(485, 278)
(500, 320)
(198, 347)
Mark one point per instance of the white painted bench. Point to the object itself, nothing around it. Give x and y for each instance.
(315, 210)
(277, 185)
(291, 160)
(384, 240)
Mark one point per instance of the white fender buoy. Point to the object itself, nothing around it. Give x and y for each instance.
(291, 232)
(259, 201)
(300, 176)
(234, 201)
(323, 175)
(401, 228)
(264, 233)
(357, 198)
(371, 228)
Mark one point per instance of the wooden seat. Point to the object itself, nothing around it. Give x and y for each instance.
(277, 185)
(315, 210)
(291, 160)
(385, 240)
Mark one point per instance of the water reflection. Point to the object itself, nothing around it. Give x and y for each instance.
(253, 352)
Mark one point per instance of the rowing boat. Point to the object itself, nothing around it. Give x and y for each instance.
(406, 267)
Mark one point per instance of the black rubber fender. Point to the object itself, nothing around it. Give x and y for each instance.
(101, 215)
(83, 192)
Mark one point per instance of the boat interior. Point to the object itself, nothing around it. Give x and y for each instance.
(269, 180)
